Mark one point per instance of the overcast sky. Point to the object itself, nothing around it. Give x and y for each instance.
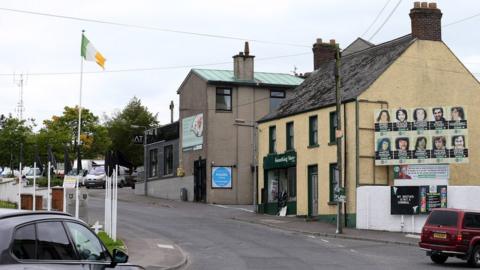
(33, 44)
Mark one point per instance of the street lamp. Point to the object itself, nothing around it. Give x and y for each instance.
(253, 125)
(144, 155)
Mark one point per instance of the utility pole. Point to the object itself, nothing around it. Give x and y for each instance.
(171, 111)
(20, 107)
(339, 136)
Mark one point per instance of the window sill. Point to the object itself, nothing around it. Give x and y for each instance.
(332, 143)
(313, 146)
(290, 150)
(223, 111)
(332, 203)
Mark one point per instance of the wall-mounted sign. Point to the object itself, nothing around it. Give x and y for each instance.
(221, 177)
(428, 135)
(192, 132)
(138, 139)
(413, 200)
(69, 181)
(285, 160)
(419, 172)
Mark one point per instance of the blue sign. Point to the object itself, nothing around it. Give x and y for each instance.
(221, 177)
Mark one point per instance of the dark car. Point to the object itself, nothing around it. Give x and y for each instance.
(452, 233)
(52, 240)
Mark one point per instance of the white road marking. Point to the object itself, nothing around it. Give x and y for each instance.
(326, 241)
(353, 250)
(413, 236)
(340, 246)
(165, 246)
(229, 207)
(311, 236)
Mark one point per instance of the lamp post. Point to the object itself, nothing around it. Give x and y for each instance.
(144, 155)
(253, 125)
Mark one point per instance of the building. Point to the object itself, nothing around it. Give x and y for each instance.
(218, 112)
(297, 142)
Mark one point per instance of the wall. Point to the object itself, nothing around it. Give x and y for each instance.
(9, 191)
(373, 208)
(167, 188)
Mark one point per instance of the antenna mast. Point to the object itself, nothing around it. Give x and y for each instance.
(20, 107)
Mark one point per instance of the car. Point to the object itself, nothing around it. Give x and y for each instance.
(95, 177)
(452, 233)
(53, 240)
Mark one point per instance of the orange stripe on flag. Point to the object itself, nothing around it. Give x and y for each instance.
(100, 59)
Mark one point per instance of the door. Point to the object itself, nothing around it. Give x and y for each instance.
(312, 190)
(200, 180)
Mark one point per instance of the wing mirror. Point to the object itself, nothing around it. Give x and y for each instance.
(119, 257)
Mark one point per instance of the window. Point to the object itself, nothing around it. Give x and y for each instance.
(313, 130)
(292, 182)
(276, 97)
(168, 160)
(224, 99)
(290, 136)
(53, 243)
(272, 140)
(443, 218)
(471, 220)
(333, 181)
(333, 127)
(88, 245)
(153, 163)
(24, 243)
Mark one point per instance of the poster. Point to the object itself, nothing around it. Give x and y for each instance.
(422, 135)
(70, 181)
(420, 172)
(413, 200)
(192, 132)
(221, 177)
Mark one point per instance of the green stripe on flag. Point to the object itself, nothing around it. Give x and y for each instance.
(85, 42)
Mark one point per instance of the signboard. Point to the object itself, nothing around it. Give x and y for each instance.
(192, 132)
(422, 135)
(413, 200)
(69, 181)
(419, 172)
(221, 177)
(285, 160)
(138, 139)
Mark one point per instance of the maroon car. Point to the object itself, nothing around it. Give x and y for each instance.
(452, 233)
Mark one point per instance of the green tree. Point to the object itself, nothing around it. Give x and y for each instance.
(14, 135)
(123, 126)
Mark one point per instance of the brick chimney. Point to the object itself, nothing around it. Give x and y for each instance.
(243, 64)
(323, 52)
(426, 21)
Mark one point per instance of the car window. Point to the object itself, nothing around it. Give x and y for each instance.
(87, 244)
(471, 220)
(53, 243)
(443, 218)
(24, 243)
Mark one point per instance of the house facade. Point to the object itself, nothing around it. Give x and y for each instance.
(218, 114)
(411, 72)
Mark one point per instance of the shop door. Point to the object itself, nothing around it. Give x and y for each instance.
(200, 180)
(312, 191)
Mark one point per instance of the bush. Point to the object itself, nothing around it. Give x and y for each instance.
(6, 204)
(42, 182)
(110, 244)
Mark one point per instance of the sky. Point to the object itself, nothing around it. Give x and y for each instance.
(281, 34)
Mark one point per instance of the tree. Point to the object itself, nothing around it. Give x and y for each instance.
(15, 136)
(123, 126)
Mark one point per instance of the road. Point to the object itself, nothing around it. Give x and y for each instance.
(213, 240)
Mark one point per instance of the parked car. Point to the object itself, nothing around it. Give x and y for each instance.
(452, 233)
(95, 177)
(31, 172)
(53, 240)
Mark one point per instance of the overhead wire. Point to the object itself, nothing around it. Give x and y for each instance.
(153, 28)
(376, 18)
(461, 20)
(386, 20)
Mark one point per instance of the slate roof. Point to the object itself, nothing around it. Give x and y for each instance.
(226, 76)
(358, 71)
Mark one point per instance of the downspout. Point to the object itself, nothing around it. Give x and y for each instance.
(357, 144)
(345, 164)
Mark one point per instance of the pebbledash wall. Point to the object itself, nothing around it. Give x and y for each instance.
(373, 215)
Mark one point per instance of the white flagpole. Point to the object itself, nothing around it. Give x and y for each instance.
(19, 185)
(115, 193)
(49, 205)
(64, 199)
(79, 129)
(34, 183)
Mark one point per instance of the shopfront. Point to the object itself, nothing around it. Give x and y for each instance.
(280, 183)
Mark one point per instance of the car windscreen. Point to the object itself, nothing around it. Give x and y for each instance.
(97, 170)
(443, 218)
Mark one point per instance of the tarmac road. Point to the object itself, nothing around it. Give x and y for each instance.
(212, 239)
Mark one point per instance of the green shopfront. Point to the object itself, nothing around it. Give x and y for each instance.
(280, 181)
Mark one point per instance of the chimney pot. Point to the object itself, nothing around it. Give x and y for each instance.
(332, 41)
(424, 5)
(319, 41)
(247, 48)
(432, 5)
(240, 53)
(416, 4)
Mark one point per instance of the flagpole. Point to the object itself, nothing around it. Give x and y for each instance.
(34, 183)
(49, 205)
(79, 129)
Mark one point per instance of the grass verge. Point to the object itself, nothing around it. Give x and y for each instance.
(6, 204)
(110, 244)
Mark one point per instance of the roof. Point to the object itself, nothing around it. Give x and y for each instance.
(226, 76)
(358, 71)
(358, 44)
(164, 133)
(8, 213)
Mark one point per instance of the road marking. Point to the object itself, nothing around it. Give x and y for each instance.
(326, 241)
(340, 246)
(229, 207)
(165, 246)
(311, 236)
(353, 250)
(413, 236)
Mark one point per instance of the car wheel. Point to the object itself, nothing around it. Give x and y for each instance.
(87, 187)
(438, 258)
(103, 186)
(120, 185)
(474, 259)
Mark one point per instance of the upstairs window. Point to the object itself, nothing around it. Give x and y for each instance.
(276, 97)
(333, 126)
(223, 99)
(153, 163)
(272, 140)
(313, 130)
(168, 159)
(290, 136)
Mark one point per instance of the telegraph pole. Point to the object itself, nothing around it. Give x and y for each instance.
(339, 136)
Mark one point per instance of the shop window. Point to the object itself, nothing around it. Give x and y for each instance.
(292, 182)
(280, 181)
(223, 99)
(168, 160)
(276, 97)
(290, 136)
(153, 158)
(333, 127)
(333, 181)
(313, 130)
(272, 147)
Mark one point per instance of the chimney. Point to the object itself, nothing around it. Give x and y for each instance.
(323, 52)
(243, 65)
(426, 21)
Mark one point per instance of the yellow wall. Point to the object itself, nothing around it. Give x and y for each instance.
(427, 74)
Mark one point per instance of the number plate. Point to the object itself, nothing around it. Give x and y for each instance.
(440, 235)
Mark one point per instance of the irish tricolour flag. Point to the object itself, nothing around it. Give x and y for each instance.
(89, 52)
